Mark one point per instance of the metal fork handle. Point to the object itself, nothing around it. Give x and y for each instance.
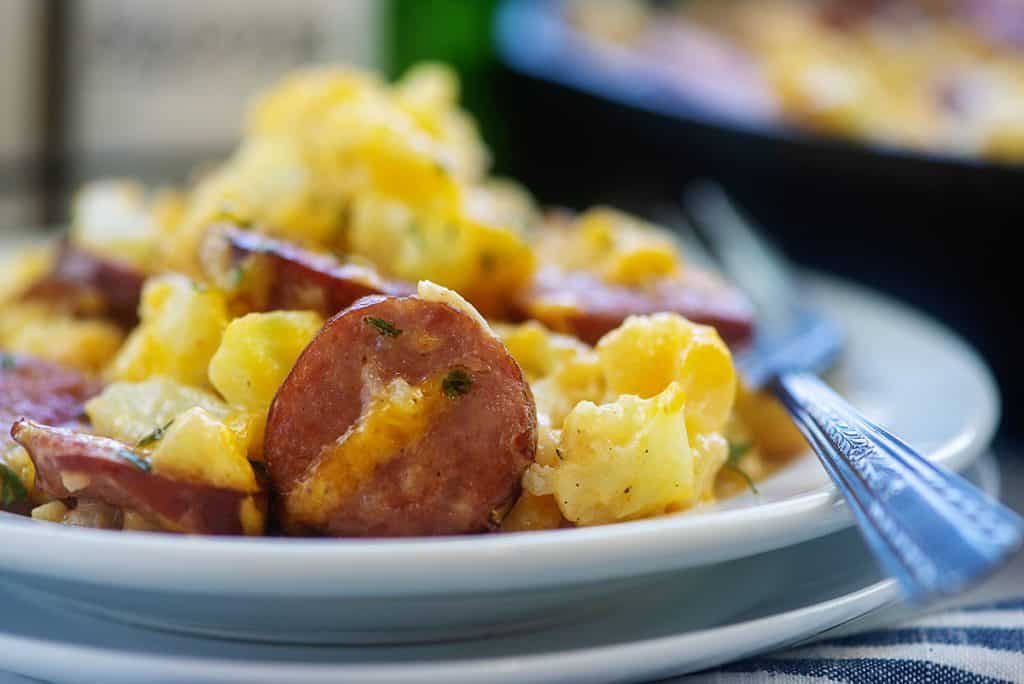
(930, 529)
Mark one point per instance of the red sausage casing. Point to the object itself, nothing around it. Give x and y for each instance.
(579, 303)
(267, 274)
(43, 391)
(402, 417)
(87, 284)
(72, 464)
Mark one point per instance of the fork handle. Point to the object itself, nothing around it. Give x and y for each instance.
(930, 529)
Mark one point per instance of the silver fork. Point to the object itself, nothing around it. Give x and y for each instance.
(930, 529)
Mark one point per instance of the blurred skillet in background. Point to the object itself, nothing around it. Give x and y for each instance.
(935, 227)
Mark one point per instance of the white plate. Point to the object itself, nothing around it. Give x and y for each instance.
(745, 607)
(905, 371)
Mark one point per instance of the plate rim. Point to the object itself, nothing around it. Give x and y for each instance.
(660, 654)
(506, 562)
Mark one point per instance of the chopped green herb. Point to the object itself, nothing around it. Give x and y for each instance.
(199, 287)
(456, 383)
(11, 488)
(229, 214)
(136, 460)
(440, 167)
(737, 450)
(156, 435)
(236, 276)
(7, 361)
(736, 453)
(382, 326)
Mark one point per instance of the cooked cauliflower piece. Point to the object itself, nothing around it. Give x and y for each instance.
(41, 330)
(483, 261)
(562, 371)
(197, 447)
(180, 329)
(647, 353)
(624, 460)
(115, 218)
(134, 412)
(20, 268)
(255, 355)
(616, 246)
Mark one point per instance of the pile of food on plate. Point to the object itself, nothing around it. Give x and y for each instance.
(348, 328)
(935, 75)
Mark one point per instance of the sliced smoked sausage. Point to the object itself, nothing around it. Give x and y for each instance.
(268, 274)
(580, 304)
(72, 464)
(87, 284)
(402, 417)
(41, 390)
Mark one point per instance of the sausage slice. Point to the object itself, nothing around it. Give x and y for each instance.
(579, 303)
(90, 285)
(44, 391)
(402, 417)
(268, 274)
(72, 464)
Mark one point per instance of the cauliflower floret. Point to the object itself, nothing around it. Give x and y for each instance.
(136, 411)
(20, 268)
(770, 427)
(199, 448)
(255, 355)
(562, 371)
(537, 350)
(39, 330)
(533, 513)
(574, 380)
(15, 459)
(481, 260)
(617, 247)
(647, 353)
(430, 92)
(115, 218)
(624, 460)
(181, 328)
(353, 130)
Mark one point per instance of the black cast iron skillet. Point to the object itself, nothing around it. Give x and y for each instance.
(936, 229)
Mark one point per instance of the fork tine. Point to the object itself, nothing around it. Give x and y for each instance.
(747, 258)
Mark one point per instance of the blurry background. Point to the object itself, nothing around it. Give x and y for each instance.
(586, 107)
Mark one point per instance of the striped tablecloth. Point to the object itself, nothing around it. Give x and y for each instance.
(977, 639)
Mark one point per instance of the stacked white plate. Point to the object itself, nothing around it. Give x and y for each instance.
(627, 602)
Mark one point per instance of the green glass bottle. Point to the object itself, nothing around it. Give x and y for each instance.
(460, 34)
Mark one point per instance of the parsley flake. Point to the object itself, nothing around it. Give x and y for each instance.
(736, 453)
(456, 383)
(156, 435)
(8, 361)
(136, 460)
(236, 276)
(383, 327)
(12, 490)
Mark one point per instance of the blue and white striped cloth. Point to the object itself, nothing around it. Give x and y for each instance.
(981, 644)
